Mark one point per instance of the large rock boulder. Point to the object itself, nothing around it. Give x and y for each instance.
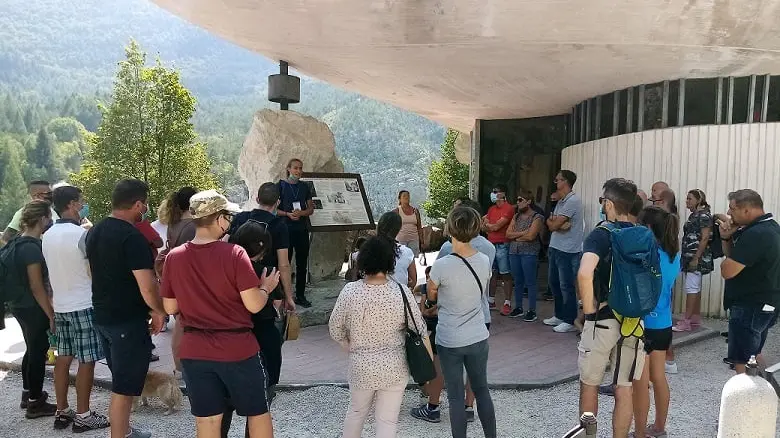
(463, 148)
(276, 137)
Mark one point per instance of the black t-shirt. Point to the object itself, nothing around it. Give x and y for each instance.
(280, 236)
(26, 252)
(290, 193)
(267, 312)
(757, 246)
(115, 249)
(598, 242)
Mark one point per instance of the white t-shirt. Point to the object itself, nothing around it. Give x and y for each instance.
(162, 230)
(402, 262)
(64, 249)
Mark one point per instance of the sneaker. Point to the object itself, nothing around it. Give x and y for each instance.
(683, 325)
(492, 305)
(607, 389)
(40, 408)
(63, 419)
(425, 413)
(518, 312)
(530, 316)
(670, 368)
(564, 327)
(506, 309)
(553, 321)
(154, 358)
(549, 297)
(303, 302)
(93, 421)
(135, 433)
(469, 414)
(695, 321)
(26, 398)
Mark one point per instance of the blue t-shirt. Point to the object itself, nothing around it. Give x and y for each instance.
(661, 316)
(289, 194)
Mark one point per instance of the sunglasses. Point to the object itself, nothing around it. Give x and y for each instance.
(602, 199)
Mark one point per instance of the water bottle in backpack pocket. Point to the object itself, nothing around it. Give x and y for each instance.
(635, 274)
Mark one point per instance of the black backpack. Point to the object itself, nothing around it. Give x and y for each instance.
(10, 279)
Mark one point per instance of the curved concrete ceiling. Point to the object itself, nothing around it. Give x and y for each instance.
(454, 61)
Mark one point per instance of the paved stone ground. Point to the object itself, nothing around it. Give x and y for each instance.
(544, 413)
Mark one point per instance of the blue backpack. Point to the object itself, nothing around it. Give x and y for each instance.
(635, 275)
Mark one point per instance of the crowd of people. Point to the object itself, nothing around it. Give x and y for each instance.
(496, 255)
(225, 276)
(103, 290)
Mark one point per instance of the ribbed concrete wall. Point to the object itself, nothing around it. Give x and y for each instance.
(716, 159)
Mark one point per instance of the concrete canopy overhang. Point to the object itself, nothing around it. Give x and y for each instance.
(455, 61)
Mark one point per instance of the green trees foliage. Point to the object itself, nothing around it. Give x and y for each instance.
(146, 134)
(448, 179)
(58, 59)
(13, 191)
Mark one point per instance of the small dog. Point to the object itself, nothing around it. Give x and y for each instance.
(163, 386)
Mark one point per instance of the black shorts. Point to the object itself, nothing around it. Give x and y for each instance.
(431, 323)
(748, 329)
(128, 350)
(210, 384)
(658, 339)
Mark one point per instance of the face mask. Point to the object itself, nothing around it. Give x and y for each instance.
(145, 214)
(493, 197)
(602, 214)
(293, 178)
(84, 212)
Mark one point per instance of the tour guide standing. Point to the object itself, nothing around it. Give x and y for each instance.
(752, 273)
(64, 247)
(567, 230)
(601, 332)
(296, 204)
(212, 286)
(124, 289)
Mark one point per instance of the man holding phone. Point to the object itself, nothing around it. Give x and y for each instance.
(751, 245)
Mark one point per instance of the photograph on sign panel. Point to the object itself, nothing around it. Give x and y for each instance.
(338, 202)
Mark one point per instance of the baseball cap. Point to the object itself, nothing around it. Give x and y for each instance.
(208, 202)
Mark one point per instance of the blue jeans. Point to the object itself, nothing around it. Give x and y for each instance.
(524, 274)
(562, 278)
(474, 357)
(748, 329)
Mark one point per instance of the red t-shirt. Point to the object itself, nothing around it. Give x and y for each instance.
(145, 227)
(495, 213)
(206, 280)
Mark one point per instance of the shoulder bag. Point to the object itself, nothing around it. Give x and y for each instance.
(418, 355)
(474, 273)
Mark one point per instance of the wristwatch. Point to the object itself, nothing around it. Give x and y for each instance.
(590, 316)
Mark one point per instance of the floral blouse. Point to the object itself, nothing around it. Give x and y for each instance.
(368, 319)
(690, 242)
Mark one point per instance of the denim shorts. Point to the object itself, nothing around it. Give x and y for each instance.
(748, 328)
(128, 349)
(501, 263)
(210, 384)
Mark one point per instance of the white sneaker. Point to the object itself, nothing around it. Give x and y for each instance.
(564, 327)
(553, 321)
(670, 368)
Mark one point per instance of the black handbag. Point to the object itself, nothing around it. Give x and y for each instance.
(417, 356)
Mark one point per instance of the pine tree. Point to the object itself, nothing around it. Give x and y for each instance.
(42, 156)
(13, 193)
(145, 133)
(448, 179)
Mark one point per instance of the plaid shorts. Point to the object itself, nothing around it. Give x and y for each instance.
(76, 336)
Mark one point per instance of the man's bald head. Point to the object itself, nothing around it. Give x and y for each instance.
(658, 187)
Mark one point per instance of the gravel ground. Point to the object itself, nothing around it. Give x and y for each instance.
(318, 412)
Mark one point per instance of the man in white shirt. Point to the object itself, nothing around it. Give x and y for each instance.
(64, 249)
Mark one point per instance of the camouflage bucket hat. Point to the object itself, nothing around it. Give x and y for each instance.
(208, 202)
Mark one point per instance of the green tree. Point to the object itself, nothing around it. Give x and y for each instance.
(145, 133)
(13, 193)
(42, 156)
(448, 179)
